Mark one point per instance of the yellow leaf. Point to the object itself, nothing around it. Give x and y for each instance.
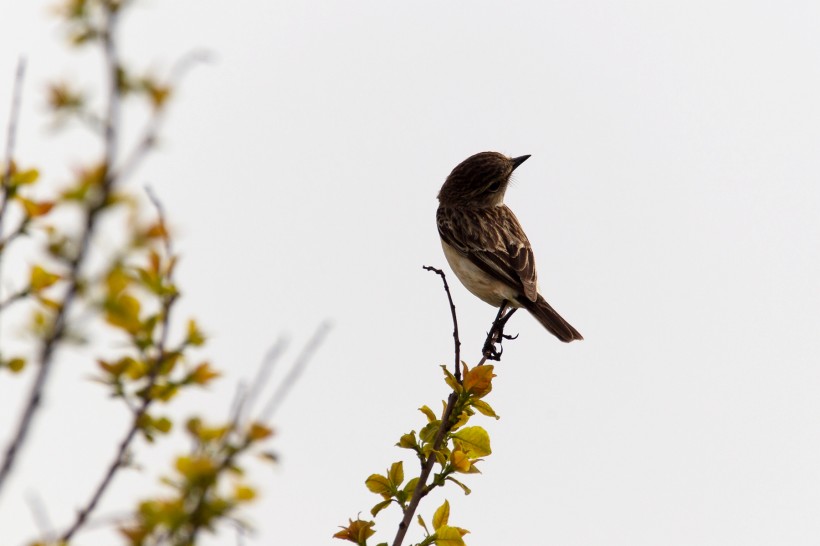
(124, 312)
(358, 531)
(40, 279)
(450, 379)
(449, 536)
(244, 493)
(396, 473)
(156, 231)
(24, 178)
(259, 432)
(116, 281)
(460, 461)
(475, 441)
(442, 515)
(378, 484)
(429, 413)
(478, 381)
(194, 468)
(159, 94)
(484, 408)
(163, 424)
(203, 374)
(33, 208)
(408, 441)
(16, 364)
(195, 336)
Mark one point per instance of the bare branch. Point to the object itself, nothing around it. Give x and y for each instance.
(263, 374)
(456, 340)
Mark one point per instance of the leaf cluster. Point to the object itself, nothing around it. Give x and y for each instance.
(446, 443)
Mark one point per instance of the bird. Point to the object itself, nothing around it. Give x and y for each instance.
(485, 244)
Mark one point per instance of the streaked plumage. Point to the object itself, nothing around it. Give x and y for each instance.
(485, 244)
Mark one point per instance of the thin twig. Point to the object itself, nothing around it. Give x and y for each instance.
(295, 371)
(52, 339)
(263, 374)
(11, 139)
(456, 340)
(421, 488)
(160, 351)
(11, 135)
(149, 134)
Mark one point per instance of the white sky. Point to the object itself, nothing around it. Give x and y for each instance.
(672, 201)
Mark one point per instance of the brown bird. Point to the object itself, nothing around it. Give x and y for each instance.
(484, 243)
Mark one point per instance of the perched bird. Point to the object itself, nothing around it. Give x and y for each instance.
(484, 243)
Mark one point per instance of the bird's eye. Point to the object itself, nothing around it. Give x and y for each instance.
(494, 187)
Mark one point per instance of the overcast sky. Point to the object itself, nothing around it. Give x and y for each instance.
(671, 199)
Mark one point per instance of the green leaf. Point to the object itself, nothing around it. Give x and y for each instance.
(442, 515)
(428, 433)
(380, 506)
(378, 484)
(475, 441)
(408, 441)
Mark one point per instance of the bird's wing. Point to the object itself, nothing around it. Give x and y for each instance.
(494, 241)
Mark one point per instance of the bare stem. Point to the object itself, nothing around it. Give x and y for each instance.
(456, 340)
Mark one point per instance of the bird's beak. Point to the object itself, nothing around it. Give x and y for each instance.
(516, 161)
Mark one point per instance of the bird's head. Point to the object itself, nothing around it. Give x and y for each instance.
(480, 180)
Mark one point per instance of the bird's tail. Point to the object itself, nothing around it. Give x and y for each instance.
(551, 320)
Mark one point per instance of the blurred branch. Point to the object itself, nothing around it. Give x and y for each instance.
(149, 133)
(95, 205)
(293, 374)
(157, 361)
(11, 137)
(263, 374)
(11, 140)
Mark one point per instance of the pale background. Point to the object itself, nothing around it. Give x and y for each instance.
(672, 200)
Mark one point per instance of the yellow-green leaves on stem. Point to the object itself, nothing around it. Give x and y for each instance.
(458, 450)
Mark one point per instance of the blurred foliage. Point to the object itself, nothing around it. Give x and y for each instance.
(125, 296)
